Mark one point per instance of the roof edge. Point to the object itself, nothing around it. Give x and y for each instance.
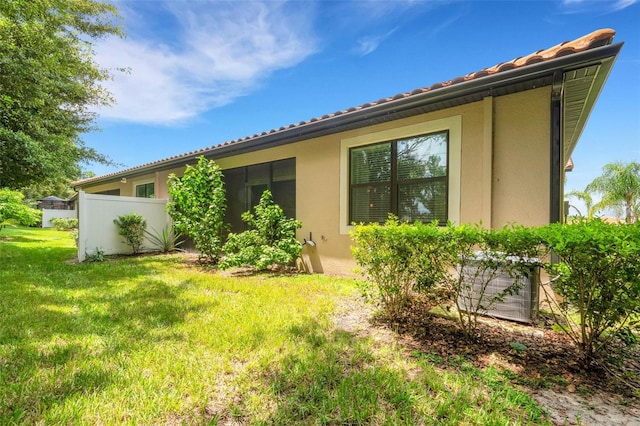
(335, 123)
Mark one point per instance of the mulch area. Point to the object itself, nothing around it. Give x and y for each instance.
(537, 356)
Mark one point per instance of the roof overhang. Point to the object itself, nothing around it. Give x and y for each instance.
(581, 87)
(584, 74)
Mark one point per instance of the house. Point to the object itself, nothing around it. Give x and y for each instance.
(488, 147)
(54, 203)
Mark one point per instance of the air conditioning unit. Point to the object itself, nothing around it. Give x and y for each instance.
(521, 306)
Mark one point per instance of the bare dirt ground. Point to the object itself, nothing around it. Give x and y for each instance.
(540, 361)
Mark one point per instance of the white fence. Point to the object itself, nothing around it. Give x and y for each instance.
(97, 231)
(48, 214)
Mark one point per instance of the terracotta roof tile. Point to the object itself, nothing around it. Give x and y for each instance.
(590, 41)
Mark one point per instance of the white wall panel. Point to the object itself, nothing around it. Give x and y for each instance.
(96, 228)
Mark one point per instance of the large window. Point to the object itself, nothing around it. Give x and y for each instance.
(407, 177)
(245, 185)
(146, 190)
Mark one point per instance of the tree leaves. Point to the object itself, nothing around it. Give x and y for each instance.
(198, 205)
(48, 84)
(270, 239)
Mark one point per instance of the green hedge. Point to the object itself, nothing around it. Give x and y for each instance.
(596, 270)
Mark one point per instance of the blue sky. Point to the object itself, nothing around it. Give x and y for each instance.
(204, 72)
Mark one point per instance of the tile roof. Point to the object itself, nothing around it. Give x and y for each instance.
(592, 40)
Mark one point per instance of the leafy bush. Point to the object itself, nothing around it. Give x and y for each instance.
(595, 268)
(64, 224)
(198, 205)
(13, 210)
(270, 239)
(166, 239)
(131, 227)
(398, 258)
(598, 275)
(453, 264)
(97, 256)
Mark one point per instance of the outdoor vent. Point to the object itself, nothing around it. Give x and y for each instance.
(522, 306)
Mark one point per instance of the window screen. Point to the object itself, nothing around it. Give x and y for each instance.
(244, 187)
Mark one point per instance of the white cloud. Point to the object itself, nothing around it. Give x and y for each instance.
(366, 45)
(607, 6)
(623, 4)
(219, 51)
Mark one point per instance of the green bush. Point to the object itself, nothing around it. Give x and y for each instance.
(597, 273)
(132, 226)
(166, 240)
(270, 239)
(399, 258)
(198, 205)
(595, 269)
(13, 210)
(64, 224)
(452, 264)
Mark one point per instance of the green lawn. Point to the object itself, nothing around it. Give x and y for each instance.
(155, 340)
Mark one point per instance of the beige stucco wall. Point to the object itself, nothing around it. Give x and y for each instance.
(522, 158)
(504, 172)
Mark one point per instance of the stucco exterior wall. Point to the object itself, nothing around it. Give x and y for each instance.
(502, 175)
(522, 158)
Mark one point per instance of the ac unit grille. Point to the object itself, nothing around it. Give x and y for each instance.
(521, 306)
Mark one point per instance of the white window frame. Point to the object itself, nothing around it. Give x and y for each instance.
(451, 124)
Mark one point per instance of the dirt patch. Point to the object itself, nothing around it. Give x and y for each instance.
(536, 359)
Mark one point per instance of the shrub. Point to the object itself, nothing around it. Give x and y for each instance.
(453, 264)
(270, 239)
(97, 256)
(166, 240)
(131, 227)
(64, 224)
(13, 210)
(198, 205)
(397, 259)
(595, 269)
(598, 275)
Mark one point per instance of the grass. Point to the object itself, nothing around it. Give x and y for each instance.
(154, 340)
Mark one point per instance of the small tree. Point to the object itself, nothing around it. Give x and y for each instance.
(198, 205)
(131, 227)
(270, 239)
(13, 210)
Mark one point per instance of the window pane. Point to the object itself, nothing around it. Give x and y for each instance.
(284, 170)
(244, 187)
(260, 174)
(371, 164)
(284, 195)
(370, 203)
(236, 197)
(145, 190)
(255, 193)
(422, 157)
(423, 201)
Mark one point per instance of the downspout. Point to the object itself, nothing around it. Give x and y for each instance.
(556, 181)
